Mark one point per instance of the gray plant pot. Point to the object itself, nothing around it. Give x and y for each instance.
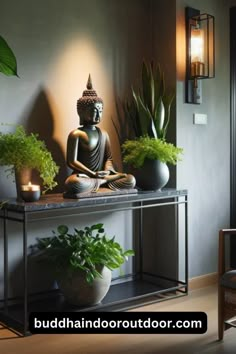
(78, 292)
(153, 175)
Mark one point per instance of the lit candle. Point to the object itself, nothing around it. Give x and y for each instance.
(30, 192)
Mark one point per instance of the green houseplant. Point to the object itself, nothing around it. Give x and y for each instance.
(150, 106)
(20, 150)
(8, 65)
(147, 114)
(138, 150)
(82, 261)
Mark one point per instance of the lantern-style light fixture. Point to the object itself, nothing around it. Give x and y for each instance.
(200, 52)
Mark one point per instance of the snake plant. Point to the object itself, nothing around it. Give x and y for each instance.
(149, 111)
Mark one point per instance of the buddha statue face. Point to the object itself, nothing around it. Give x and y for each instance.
(90, 106)
(91, 114)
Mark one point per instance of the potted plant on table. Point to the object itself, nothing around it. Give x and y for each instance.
(148, 117)
(82, 261)
(22, 153)
(148, 158)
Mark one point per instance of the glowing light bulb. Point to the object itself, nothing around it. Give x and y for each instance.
(197, 52)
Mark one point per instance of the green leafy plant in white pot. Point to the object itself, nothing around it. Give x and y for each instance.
(147, 115)
(82, 261)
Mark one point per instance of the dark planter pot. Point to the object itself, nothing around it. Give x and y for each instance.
(78, 292)
(153, 175)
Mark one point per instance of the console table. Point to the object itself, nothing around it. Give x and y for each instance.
(132, 290)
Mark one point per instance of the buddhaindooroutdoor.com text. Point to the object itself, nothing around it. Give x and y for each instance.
(118, 322)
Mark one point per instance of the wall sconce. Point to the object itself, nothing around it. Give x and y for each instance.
(200, 52)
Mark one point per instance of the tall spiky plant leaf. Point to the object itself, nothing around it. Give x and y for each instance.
(122, 125)
(159, 117)
(152, 89)
(148, 87)
(8, 65)
(159, 82)
(152, 132)
(163, 85)
(143, 114)
(167, 101)
(131, 114)
(147, 111)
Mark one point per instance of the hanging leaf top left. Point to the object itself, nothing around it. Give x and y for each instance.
(8, 64)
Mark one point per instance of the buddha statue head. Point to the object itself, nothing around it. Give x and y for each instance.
(90, 106)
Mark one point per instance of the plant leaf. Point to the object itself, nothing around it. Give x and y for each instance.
(145, 117)
(147, 86)
(90, 277)
(62, 229)
(167, 101)
(159, 117)
(159, 82)
(131, 112)
(129, 253)
(8, 65)
(97, 227)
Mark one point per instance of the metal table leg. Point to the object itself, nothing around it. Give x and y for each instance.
(6, 270)
(25, 273)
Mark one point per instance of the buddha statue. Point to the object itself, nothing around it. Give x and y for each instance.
(89, 152)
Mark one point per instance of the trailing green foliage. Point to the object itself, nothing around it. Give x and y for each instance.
(20, 150)
(8, 65)
(137, 150)
(84, 249)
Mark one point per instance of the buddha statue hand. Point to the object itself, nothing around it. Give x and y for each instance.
(109, 176)
(115, 176)
(101, 174)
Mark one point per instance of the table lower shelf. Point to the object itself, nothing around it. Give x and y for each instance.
(120, 297)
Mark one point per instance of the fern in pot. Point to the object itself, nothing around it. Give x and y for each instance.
(148, 158)
(22, 153)
(147, 114)
(82, 261)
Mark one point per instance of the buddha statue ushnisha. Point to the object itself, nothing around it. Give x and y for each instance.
(89, 152)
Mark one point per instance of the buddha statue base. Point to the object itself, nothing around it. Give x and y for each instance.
(101, 192)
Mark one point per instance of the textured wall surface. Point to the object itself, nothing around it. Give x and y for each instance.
(205, 169)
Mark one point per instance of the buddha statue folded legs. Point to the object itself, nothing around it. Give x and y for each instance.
(79, 183)
(89, 152)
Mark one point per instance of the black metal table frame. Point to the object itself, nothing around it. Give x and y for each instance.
(24, 216)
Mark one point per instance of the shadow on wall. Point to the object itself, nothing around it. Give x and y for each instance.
(41, 121)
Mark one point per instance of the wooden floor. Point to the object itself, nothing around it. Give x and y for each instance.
(199, 300)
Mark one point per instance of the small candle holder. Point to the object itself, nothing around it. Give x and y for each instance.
(30, 192)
